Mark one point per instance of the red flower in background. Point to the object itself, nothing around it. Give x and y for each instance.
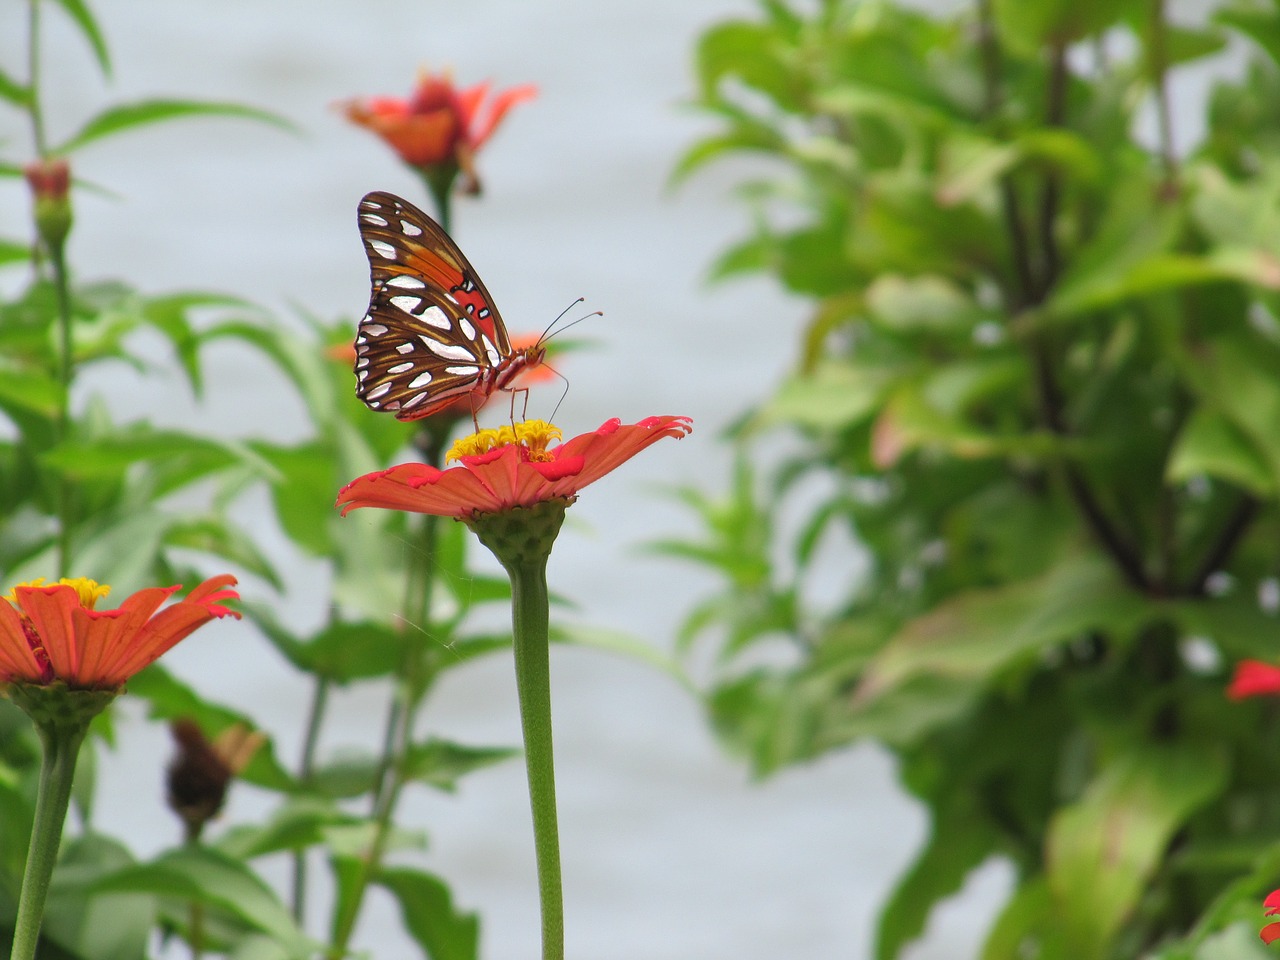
(509, 467)
(52, 633)
(1271, 931)
(438, 125)
(1253, 678)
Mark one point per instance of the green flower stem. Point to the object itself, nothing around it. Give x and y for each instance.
(521, 538)
(61, 743)
(530, 617)
(66, 374)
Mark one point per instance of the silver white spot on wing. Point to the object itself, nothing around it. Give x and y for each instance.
(463, 371)
(376, 219)
(467, 328)
(383, 249)
(435, 317)
(401, 368)
(379, 391)
(491, 351)
(373, 329)
(421, 380)
(413, 401)
(447, 351)
(410, 229)
(402, 348)
(406, 282)
(406, 303)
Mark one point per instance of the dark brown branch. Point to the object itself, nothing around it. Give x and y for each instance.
(1055, 114)
(1126, 557)
(1020, 251)
(1228, 538)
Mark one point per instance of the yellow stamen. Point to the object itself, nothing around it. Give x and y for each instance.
(533, 435)
(89, 591)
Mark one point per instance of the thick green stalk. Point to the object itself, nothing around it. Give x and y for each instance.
(530, 619)
(57, 770)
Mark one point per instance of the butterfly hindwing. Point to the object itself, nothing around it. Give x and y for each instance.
(431, 333)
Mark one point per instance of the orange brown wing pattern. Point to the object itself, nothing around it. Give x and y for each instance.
(431, 333)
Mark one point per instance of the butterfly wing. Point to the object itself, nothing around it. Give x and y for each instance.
(432, 333)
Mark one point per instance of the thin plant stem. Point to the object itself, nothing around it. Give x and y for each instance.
(403, 710)
(57, 770)
(315, 719)
(33, 77)
(530, 623)
(66, 374)
(1159, 57)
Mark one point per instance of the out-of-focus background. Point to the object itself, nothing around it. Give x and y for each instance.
(670, 853)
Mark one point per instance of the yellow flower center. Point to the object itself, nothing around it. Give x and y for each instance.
(533, 435)
(89, 591)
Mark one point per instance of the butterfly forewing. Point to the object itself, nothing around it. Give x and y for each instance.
(431, 333)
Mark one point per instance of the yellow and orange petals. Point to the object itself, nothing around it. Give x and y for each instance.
(532, 435)
(88, 591)
(87, 648)
(496, 476)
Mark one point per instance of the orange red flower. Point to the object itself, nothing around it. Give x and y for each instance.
(1253, 678)
(438, 124)
(511, 467)
(53, 633)
(1271, 932)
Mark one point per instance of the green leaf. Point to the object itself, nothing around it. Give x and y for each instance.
(1260, 25)
(1106, 846)
(19, 94)
(99, 927)
(204, 875)
(343, 652)
(84, 19)
(957, 844)
(443, 932)
(127, 116)
(441, 763)
(833, 397)
(302, 822)
(14, 251)
(978, 633)
(1212, 445)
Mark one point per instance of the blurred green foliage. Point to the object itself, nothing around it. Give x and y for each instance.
(1040, 389)
(82, 493)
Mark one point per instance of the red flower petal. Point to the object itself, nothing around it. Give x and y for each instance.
(1253, 678)
(102, 648)
(1270, 933)
(1272, 903)
(502, 478)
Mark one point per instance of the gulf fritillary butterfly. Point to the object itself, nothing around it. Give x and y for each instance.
(432, 333)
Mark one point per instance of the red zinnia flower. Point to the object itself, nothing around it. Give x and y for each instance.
(1253, 678)
(1271, 931)
(52, 633)
(509, 467)
(438, 124)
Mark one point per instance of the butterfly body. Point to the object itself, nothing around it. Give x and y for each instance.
(432, 335)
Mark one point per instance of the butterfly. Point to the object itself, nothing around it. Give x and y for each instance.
(431, 334)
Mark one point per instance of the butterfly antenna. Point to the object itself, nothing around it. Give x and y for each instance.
(559, 316)
(593, 313)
